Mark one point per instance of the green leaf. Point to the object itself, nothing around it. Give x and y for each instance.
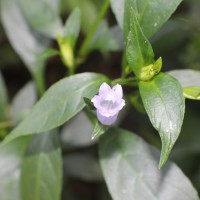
(59, 104)
(10, 160)
(3, 99)
(152, 14)
(73, 136)
(192, 93)
(89, 103)
(48, 53)
(99, 130)
(129, 167)
(107, 39)
(41, 168)
(165, 105)
(43, 16)
(22, 102)
(25, 41)
(186, 77)
(72, 27)
(139, 52)
(190, 82)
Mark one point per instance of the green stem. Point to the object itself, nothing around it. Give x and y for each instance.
(84, 48)
(129, 81)
(39, 80)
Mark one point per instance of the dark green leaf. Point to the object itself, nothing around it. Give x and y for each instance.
(10, 160)
(41, 170)
(99, 130)
(72, 27)
(129, 167)
(152, 14)
(43, 16)
(3, 99)
(189, 80)
(139, 52)
(59, 104)
(89, 103)
(165, 105)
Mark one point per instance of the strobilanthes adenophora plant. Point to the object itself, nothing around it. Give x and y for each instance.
(50, 137)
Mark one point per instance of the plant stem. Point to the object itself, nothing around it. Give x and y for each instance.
(39, 80)
(129, 81)
(84, 48)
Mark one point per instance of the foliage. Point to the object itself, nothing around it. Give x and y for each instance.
(51, 136)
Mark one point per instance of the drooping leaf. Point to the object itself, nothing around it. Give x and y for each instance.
(3, 99)
(190, 81)
(41, 168)
(129, 167)
(59, 104)
(43, 16)
(152, 14)
(10, 160)
(165, 105)
(23, 102)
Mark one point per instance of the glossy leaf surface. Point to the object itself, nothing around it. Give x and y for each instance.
(152, 14)
(165, 105)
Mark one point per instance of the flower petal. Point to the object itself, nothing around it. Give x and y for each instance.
(104, 88)
(95, 101)
(106, 120)
(117, 89)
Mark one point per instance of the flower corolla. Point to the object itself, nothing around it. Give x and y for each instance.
(108, 103)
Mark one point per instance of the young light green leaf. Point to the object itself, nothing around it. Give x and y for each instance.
(151, 14)
(99, 130)
(3, 99)
(129, 167)
(190, 82)
(10, 160)
(41, 168)
(59, 104)
(48, 53)
(192, 93)
(165, 105)
(139, 52)
(43, 16)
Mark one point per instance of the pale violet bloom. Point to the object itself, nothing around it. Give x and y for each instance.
(108, 103)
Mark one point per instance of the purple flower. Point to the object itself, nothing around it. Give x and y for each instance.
(108, 103)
